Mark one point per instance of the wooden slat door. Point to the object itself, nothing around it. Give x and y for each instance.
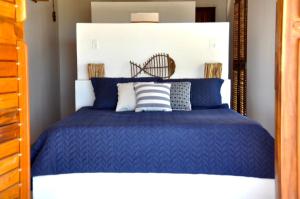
(288, 99)
(239, 73)
(14, 112)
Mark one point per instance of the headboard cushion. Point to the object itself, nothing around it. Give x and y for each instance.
(106, 92)
(204, 92)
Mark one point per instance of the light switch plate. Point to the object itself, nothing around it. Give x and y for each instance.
(212, 43)
(95, 44)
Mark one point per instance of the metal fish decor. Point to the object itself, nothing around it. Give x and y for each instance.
(159, 65)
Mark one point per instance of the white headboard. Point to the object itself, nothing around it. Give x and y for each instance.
(191, 45)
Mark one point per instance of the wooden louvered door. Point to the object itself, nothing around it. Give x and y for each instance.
(288, 99)
(14, 109)
(239, 76)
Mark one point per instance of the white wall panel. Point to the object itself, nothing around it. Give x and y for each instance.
(119, 12)
(191, 45)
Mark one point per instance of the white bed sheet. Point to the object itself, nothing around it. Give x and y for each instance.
(151, 186)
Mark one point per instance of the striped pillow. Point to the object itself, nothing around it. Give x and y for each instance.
(152, 97)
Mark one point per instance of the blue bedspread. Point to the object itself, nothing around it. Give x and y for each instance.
(216, 141)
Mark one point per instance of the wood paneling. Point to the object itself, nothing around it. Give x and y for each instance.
(24, 118)
(9, 148)
(7, 10)
(239, 74)
(14, 102)
(9, 100)
(19, 30)
(7, 33)
(8, 85)
(8, 69)
(9, 116)
(288, 99)
(9, 164)
(9, 132)
(21, 10)
(9, 179)
(11, 1)
(11, 193)
(8, 53)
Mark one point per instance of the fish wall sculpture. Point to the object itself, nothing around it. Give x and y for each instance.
(159, 65)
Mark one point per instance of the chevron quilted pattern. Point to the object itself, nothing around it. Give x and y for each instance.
(216, 141)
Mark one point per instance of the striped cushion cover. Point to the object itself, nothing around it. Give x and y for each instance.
(152, 97)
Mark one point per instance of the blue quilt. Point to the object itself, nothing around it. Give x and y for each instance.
(216, 141)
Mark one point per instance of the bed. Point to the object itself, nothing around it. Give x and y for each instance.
(209, 152)
(214, 141)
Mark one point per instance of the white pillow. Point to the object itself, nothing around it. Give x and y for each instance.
(126, 97)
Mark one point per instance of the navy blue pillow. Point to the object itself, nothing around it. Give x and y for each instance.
(106, 91)
(204, 92)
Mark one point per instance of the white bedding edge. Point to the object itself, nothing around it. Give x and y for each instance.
(151, 186)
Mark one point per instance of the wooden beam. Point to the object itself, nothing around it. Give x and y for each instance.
(288, 99)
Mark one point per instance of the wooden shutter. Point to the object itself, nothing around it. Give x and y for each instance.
(239, 76)
(14, 109)
(288, 99)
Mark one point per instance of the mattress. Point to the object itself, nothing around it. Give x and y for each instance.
(149, 186)
(216, 141)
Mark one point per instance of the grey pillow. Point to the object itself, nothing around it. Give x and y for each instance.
(181, 96)
(152, 97)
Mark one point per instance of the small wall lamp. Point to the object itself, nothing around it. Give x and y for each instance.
(144, 17)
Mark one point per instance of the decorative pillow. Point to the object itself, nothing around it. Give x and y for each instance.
(152, 97)
(126, 97)
(204, 92)
(106, 91)
(181, 96)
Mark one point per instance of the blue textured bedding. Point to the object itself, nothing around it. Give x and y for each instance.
(215, 141)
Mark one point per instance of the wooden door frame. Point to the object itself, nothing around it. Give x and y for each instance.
(288, 99)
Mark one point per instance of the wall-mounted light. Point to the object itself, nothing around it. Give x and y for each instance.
(144, 17)
(53, 7)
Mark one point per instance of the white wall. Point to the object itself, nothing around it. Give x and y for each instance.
(191, 45)
(42, 40)
(69, 13)
(261, 61)
(120, 12)
(221, 10)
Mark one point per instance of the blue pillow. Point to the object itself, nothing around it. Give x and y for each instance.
(106, 91)
(204, 92)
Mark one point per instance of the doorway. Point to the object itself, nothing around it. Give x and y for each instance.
(205, 14)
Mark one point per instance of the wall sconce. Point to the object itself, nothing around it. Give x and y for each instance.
(144, 17)
(53, 6)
